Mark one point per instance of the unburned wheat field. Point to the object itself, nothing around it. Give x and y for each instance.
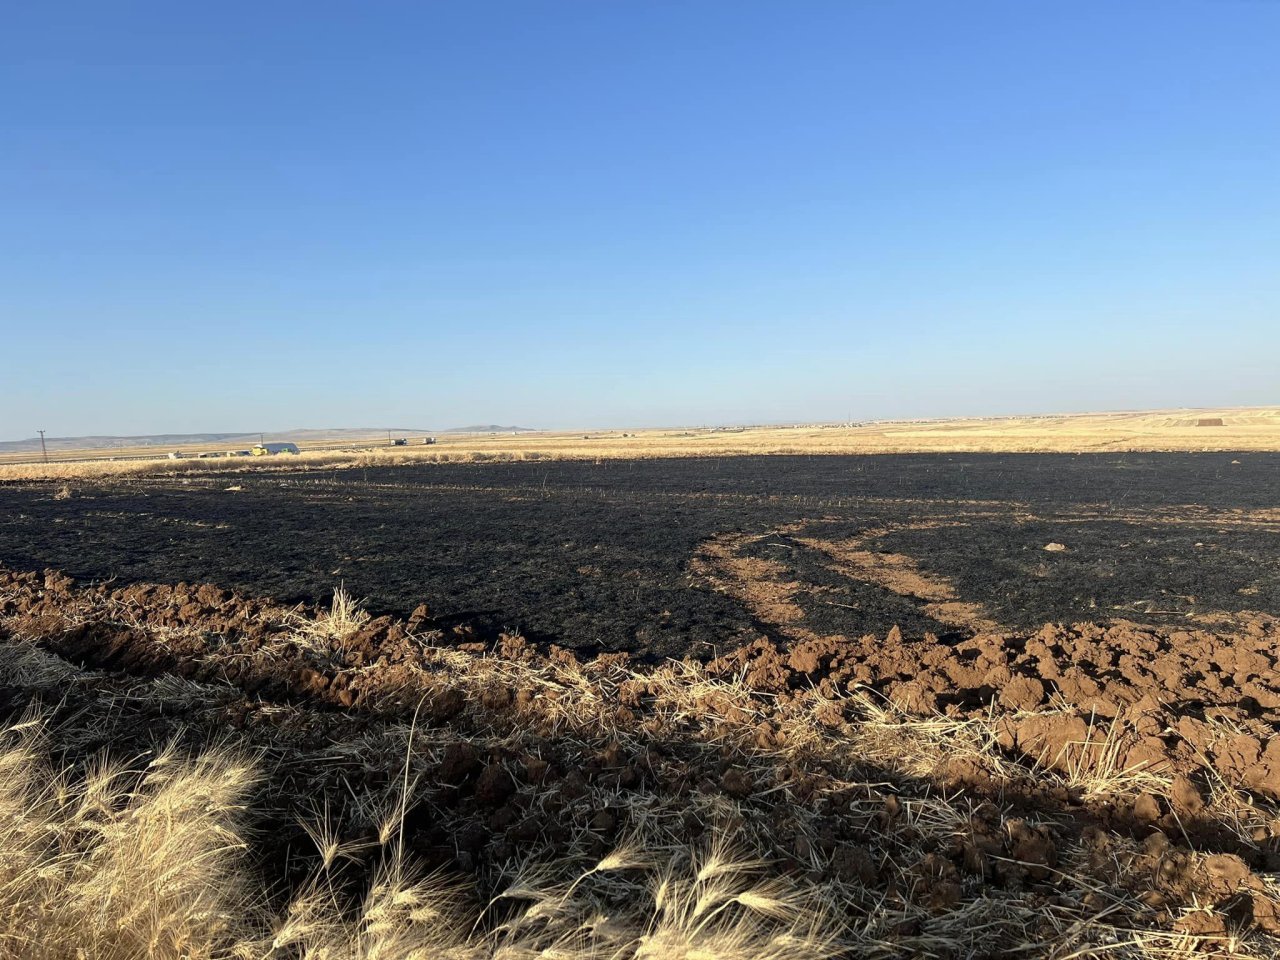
(787, 706)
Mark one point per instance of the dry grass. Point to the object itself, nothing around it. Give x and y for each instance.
(122, 864)
(1245, 429)
(339, 623)
(126, 863)
(1093, 766)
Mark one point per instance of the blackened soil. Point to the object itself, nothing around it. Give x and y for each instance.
(600, 556)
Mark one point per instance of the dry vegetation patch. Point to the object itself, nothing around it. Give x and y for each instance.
(413, 792)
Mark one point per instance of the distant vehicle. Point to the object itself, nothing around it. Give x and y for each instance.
(400, 442)
(271, 449)
(428, 439)
(209, 455)
(238, 453)
(175, 455)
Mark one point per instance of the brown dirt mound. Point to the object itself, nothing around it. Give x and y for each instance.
(1180, 701)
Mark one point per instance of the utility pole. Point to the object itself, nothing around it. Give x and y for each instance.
(43, 448)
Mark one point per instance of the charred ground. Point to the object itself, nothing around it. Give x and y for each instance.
(685, 557)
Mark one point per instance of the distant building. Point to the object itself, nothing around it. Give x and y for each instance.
(271, 449)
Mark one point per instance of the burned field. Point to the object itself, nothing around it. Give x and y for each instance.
(865, 706)
(622, 555)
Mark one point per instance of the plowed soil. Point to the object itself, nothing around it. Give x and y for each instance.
(1184, 722)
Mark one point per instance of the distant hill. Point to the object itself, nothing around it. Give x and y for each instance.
(66, 444)
(490, 428)
(61, 444)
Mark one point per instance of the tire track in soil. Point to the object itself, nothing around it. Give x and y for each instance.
(762, 584)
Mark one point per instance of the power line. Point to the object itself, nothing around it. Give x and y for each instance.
(43, 448)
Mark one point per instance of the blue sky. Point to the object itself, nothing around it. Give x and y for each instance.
(263, 216)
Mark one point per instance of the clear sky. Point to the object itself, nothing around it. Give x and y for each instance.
(249, 216)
